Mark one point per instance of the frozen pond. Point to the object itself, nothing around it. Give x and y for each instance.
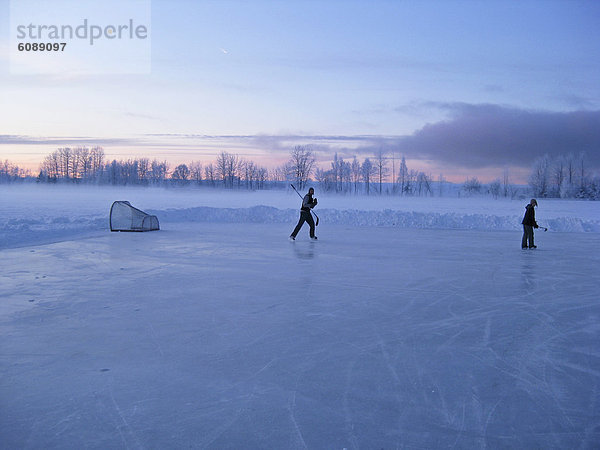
(212, 335)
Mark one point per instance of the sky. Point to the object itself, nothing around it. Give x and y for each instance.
(460, 88)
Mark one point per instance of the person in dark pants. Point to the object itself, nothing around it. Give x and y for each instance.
(529, 224)
(308, 203)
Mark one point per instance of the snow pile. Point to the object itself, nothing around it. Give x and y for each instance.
(255, 214)
(384, 218)
(16, 232)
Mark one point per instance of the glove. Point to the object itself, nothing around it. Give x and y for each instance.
(536, 226)
(315, 201)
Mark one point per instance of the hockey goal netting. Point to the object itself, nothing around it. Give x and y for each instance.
(124, 217)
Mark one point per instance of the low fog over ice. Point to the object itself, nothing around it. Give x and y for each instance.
(49, 213)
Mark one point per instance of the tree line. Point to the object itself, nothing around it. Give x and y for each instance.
(372, 176)
(565, 176)
(10, 172)
(90, 166)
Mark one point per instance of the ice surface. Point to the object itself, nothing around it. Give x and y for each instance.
(226, 335)
(411, 323)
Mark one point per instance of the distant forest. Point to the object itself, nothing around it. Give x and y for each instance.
(566, 176)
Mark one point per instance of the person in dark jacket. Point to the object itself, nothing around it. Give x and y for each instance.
(529, 224)
(308, 203)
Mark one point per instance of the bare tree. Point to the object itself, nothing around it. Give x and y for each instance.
(66, 163)
(582, 173)
(84, 162)
(441, 184)
(538, 180)
(233, 170)
(506, 187)
(411, 182)
(247, 169)
(326, 179)
(97, 161)
(143, 170)
(403, 176)
(76, 163)
(381, 168)
(280, 173)
(210, 174)
(253, 175)
(336, 172)
(570, 168)
(496, 188)
(181, 173)
(301, 165)
(158, 171)
(423, 184)
(222, 166)
(394, 186)
(355, 174)
(51, 166)
(346, 175)
(558, 175)
(10, 172)
(368, 170)
(472, 186)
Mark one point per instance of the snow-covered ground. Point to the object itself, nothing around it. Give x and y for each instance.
(411, 323)
(49, 213)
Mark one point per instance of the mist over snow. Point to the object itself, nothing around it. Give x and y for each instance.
(44, 213)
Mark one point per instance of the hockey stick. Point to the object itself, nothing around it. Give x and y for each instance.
(316, 224)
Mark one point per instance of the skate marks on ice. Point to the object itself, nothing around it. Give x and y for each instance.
(513, 335)
(411, 338)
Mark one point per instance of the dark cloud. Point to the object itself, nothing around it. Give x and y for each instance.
(479, 136)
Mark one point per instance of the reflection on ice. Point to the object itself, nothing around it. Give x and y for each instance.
(304, 250)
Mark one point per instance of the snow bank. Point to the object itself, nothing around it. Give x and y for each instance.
(21, 232)
(38, 214)
(385, 218)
